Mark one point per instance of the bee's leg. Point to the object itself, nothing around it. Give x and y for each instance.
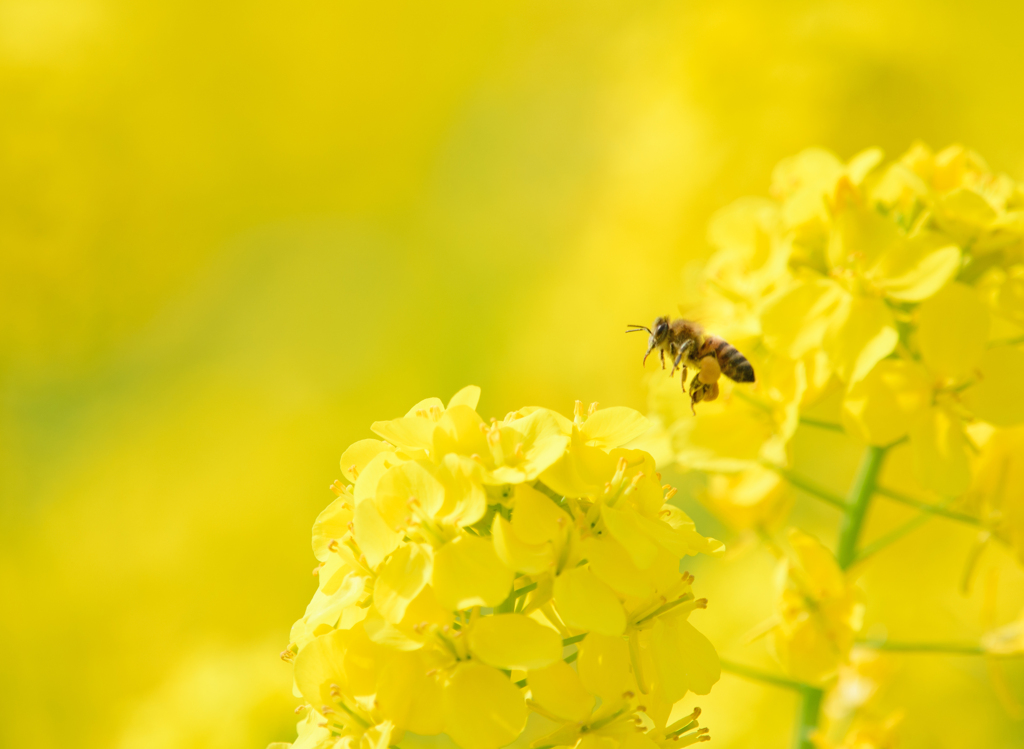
(679, 357)
(697, 392)
(662, 352)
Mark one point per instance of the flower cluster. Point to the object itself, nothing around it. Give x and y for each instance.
(900, 285)
(465, 565)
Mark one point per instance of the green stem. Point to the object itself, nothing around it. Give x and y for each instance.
(821, 424)
(860, 497)
(768, 678)
(929, 508)
(1006, 341)
(810, 708)
(950, 648)
(807, 485)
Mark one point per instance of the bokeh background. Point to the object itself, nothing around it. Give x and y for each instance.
(234, 234)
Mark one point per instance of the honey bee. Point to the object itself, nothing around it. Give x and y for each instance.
(687, 345)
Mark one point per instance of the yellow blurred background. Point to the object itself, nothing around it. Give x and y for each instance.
(234, 234)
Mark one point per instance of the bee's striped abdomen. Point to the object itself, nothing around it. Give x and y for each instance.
(734, 364)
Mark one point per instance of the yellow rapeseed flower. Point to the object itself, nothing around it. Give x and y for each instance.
(459, 552)
(818, 611)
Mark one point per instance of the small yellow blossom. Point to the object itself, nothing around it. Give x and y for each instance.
(818, 611)
(461, 550)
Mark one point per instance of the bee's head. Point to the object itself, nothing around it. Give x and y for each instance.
(658, 334)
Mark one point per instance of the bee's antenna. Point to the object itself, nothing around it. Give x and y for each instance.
(637, 328)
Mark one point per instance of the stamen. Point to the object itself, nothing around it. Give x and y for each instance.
(287, 656)
(592, 409)
(670, 493)
(337, 487)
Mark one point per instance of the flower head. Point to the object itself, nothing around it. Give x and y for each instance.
(465, 564)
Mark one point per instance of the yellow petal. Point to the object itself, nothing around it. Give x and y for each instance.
(812, 166)
(882, 406)
(378, 736)
(388, 635)
(684, 659)
(752, 251)
(414, 432)
(805, 651)
(529, 444)
(328, 603)
(861, 235)
(406, 573)
(684, 537)
(625, 528)
(586, 603)
(604, 666)
(408, 697)
(358, 454)
(425, 610)
(952, 330)
(409, 482)
(347, 658)
(427, 408)
(535, 516)
(331, 523)
(741, 226)
(482, 708)
(459, 431)
(917, 269)
(529, 559)
(940, 452)
(465, 499)
(514, 641)
(998, 397)
(468, 396)
(375, 538)
(821, 575)
(756, 497)
(559, 691)
(610, 427)
(863, 163)
(595, 741)
(610, 562)
(794, 320)
(862, 333)
(723, 436)
(581, 471)
(964, 213)
(468, 572)
(366, 485)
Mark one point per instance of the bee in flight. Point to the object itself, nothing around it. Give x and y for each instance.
(687, 345)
